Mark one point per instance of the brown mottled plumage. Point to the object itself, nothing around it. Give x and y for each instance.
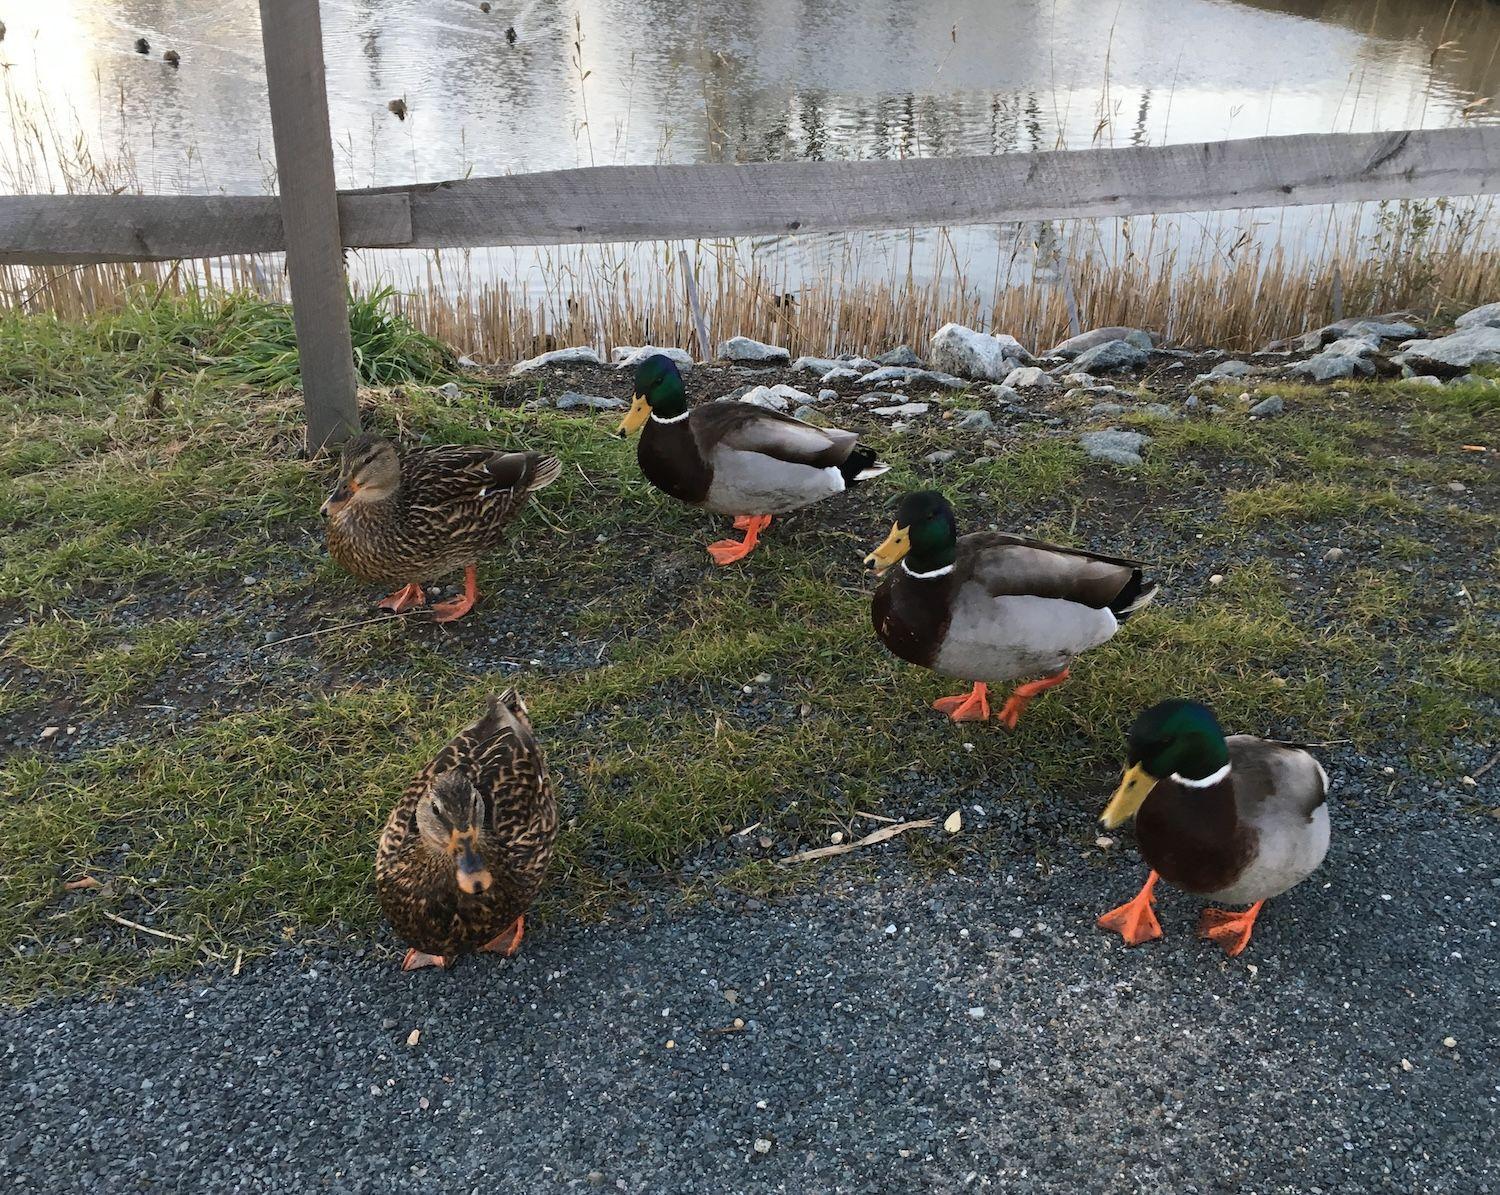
(464, 851)
(405, 519)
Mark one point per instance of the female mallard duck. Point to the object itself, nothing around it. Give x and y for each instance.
(403, 520)
(993, 607)
(735, 458)
(1237, 820)
(464, 851)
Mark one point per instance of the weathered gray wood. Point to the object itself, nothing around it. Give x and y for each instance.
(705, 343)
(77, 229)
(627, 203)
(624, 203)
(293, 38)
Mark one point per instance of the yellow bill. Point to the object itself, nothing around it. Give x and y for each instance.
(897, 544)
(640, 411)
(1135, 787)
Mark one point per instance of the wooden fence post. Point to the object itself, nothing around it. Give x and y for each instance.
(292, 35)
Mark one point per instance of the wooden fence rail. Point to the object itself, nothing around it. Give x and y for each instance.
(647, 203)
(311, 221)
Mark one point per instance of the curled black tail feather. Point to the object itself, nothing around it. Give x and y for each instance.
(857, 465)
(1137, 594)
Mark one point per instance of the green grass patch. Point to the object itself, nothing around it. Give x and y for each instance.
(157, 522)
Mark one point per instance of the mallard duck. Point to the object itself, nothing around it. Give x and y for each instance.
(992, 607)
(1236, 820)
(735, 458)
(406, 519)
(465, 849)
(142, 46)
(172, 58)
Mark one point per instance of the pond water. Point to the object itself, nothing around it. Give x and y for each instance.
(629, 81)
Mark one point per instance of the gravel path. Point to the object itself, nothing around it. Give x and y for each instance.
(899, 1033)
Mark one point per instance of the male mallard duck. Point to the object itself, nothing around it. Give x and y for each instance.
(402, 520)
(993, 607)
(735, 458)
(464, 851)
(1237, 820)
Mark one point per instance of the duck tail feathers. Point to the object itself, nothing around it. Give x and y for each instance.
(861, 465)
(1135, 596)
(544, 471)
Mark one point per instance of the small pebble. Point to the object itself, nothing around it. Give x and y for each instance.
(1458, 487)
(1334, 554)
(1216, 579)
(762, 1146)
(1450, 1042)
(1104, 842)
(1406, 1065)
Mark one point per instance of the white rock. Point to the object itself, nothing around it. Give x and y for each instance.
(626, 356)
(817, 364)
(1028, 375)
(902, 374)
(582, 355)
(776, 398)
(827, 395)
(970, 354)
(840, 373)
(908, 409)
(449, 390)
(742, 348)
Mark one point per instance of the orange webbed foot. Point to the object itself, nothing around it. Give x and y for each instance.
(403, 599)
(416, 959)
(1135, 921)
(1228, 930)
(727, 551)
(1015, 705)
(973, 706)
(455, 608)
(508, 940)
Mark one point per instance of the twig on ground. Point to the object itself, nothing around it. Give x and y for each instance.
(145, 929)
(881, 835)
(343, 626)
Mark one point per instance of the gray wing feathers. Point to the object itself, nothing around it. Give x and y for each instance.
(1006, 564)
(754, 429)
(1274, 782)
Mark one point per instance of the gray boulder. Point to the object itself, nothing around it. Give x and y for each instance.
(1225, 370)
(742, 348)
(900, 355)
(909, 410)
(573, 401)
(1116, 446)
(1487, 316)
(1267, 407)
(1458, 352)
(1112, 354)
(1076, 345)
(973, 421)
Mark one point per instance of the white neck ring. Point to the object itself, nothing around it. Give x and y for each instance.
(1206, 782)
(655, 418)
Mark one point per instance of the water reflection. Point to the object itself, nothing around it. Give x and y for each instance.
(616, 81)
